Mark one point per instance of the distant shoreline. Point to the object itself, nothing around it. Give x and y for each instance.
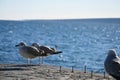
(53, 21)
(59, 19)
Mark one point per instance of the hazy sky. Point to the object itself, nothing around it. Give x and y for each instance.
(59, 9)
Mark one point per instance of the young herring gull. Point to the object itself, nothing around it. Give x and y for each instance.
(112, 64)
(45, 50)
(28, 52)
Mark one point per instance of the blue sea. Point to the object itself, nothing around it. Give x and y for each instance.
(83, 41)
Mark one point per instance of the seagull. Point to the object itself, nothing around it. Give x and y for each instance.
(112, 64)
(45, 50)
(28, 52)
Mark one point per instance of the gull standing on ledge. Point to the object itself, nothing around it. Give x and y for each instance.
(28, 52)
(45, 50)
(112, 64)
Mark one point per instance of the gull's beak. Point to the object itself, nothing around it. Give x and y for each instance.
(16, 45)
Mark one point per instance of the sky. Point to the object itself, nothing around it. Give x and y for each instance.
(58, 9)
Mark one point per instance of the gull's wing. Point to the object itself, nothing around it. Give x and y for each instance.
(115, 67)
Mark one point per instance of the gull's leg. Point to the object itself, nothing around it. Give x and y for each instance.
(39, 60)
(42, 59)
(28, 61)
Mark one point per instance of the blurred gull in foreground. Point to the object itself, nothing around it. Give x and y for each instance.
(45, 50)
(112, 64)
(28, 52)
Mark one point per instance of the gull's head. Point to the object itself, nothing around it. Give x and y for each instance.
(21, 44)
(112, 53)
(35, 44)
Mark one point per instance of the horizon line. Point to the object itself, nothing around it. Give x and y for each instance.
(59, 19)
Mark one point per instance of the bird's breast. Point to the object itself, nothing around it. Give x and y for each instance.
(25, 54)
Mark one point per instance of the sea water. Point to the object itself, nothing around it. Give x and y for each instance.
(83, 41)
